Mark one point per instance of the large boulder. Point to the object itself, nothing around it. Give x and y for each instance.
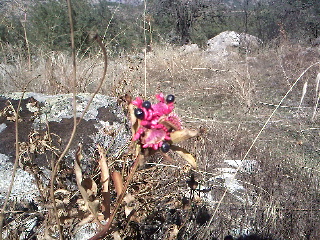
(229, 41)
(45, 126)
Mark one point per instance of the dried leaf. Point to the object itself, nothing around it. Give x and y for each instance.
(116, 236)
(77, 168)
(105, 182)
(91, 203)
(128, 98)
(90, 186)
(86, 220)
(169, 125)
(63, 191)
(173, 232)
(95, 206)
(59, 203)
(128, 198)
(128, 210)
(147, 152)
(133, 119)
(78, 172)
(181, 135)
(82, 205)
(118, 183)
(185, 154)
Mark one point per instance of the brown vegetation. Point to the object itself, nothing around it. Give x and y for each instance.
(230, 100)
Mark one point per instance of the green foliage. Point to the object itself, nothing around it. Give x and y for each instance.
(299, 18)
(49, 25)
(173, 21)
(11, 31)
(306, 15)
(128, 29)
(11, 34)
(265, 24)
(181, 22)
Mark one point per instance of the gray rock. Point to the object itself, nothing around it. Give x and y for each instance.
(54, 113)
(45, 125)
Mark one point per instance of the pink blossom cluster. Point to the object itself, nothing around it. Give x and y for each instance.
(156, 122)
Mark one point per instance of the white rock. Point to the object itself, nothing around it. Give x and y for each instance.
(229, 41)
(2, 127)
(24, 187)
(189, 48)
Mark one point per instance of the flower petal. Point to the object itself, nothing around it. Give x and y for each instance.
(153, 136)
(137, 102)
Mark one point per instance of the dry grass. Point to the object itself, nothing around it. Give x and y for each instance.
(230, 99)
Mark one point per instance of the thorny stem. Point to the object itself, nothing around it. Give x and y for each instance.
(106, 227)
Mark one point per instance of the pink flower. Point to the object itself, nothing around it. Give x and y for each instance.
(156, 122)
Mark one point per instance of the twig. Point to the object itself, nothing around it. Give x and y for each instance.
(317, 97)
(277, 105)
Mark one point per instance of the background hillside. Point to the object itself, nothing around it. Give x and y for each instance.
(175, 22)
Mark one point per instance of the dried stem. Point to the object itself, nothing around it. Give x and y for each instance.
(26, 40)
(145, 49)
(56, 166)
(16, 161)
(106, 228)
(15, 166)
(76, 122)
(99, 41)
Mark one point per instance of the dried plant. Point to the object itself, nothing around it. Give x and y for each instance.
(154, 128)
